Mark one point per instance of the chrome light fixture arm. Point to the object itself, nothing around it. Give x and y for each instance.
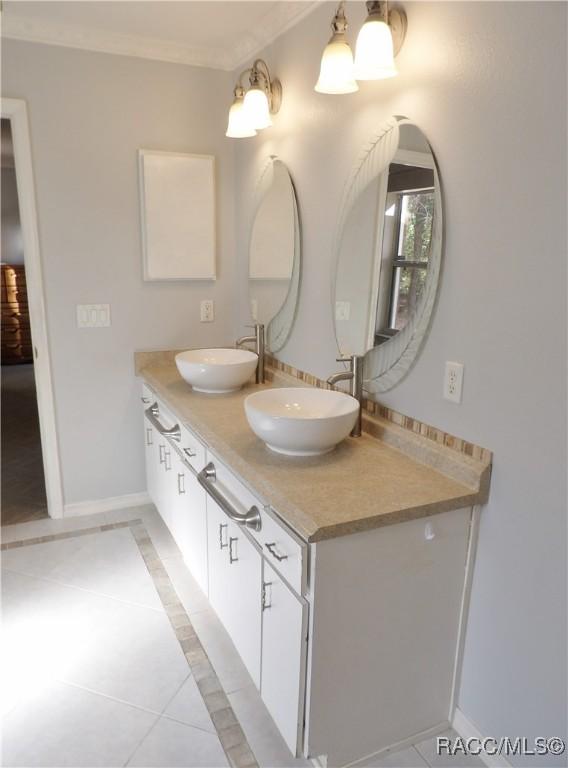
(260, 78)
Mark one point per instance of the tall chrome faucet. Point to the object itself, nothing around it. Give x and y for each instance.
(258, 341)
(355, 376)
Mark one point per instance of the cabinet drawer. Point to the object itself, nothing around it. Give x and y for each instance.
(281, 547)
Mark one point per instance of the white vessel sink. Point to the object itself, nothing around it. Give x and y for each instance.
(300, 421)
(216, 371)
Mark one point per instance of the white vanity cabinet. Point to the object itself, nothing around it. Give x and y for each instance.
(353, 641)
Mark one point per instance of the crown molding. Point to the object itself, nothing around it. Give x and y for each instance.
(282, 18)
(276, 22)
(102, 41)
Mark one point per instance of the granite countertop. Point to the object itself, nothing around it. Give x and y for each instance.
(363, 484)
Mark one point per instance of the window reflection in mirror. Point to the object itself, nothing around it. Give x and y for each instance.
(407, 239)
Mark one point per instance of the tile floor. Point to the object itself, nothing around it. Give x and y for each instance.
(95, 675)
(23, 485)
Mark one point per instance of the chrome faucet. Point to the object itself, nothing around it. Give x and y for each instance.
(355, 376)
(258, 341)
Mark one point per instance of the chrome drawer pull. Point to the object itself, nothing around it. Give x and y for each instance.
(272, 549)
(167, 455)
(232, 558)
(266, 599)
(181, 483)
(222, 544)
(149, 436)
(162, 449)
(189, 453)
(251, 519)
(152, 416)
(145, 400)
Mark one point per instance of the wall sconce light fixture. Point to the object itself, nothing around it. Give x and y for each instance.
(336, 70)
(252, 108)
(379, 41)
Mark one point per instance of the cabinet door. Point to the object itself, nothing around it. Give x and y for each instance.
(165, 488)
(151, 455)
(235, 582)
(189, 521)
(284, 644)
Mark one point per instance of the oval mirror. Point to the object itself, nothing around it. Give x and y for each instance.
(388, 254)
(274, 255)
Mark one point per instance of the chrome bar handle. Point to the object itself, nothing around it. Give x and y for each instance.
(189, 453)
(181, 483)
(232, 559)
(167, 455)
(152, 416)
(206, 478)
(222, 544)
(272, 549)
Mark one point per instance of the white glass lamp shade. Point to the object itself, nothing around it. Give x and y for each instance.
(256, 108)
(239, 127)
(374, 56)
(336, 70)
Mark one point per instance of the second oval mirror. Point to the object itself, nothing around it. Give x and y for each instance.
(388, 252)
(274, 255)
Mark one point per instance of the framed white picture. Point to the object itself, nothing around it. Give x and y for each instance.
(177, 208)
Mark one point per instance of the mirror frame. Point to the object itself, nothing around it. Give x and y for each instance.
(279, 328)
(387, 364)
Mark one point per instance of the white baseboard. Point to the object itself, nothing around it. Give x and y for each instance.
(106, 505)
(467, 730)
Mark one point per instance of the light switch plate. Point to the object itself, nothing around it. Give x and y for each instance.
(93, 315)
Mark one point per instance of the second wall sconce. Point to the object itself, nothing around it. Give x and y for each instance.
(252, 108)
(379, 40)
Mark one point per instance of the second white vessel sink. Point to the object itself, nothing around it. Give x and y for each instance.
(216, 371)
(300, 421)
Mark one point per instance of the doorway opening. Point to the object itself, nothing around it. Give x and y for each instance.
(23, 492)
(30, 469)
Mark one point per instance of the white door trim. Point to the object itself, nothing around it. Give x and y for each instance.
(15, 110)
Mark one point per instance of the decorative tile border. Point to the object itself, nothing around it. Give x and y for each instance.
(229, 731)
(374, 411)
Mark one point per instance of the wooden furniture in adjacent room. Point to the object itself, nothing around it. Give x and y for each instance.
(16, 334)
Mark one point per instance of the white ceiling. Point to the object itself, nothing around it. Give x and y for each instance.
(222, 34)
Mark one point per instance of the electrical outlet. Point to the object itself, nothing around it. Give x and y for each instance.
(453, 382)
(93, 315)
(207, 311)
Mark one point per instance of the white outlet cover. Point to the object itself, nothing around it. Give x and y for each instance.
(207, 314)
(453, 382)
(342, 310)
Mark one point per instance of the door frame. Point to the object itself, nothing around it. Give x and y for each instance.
(15, 110)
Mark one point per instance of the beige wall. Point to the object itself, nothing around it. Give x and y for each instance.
(486, 82)
(89, 113)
